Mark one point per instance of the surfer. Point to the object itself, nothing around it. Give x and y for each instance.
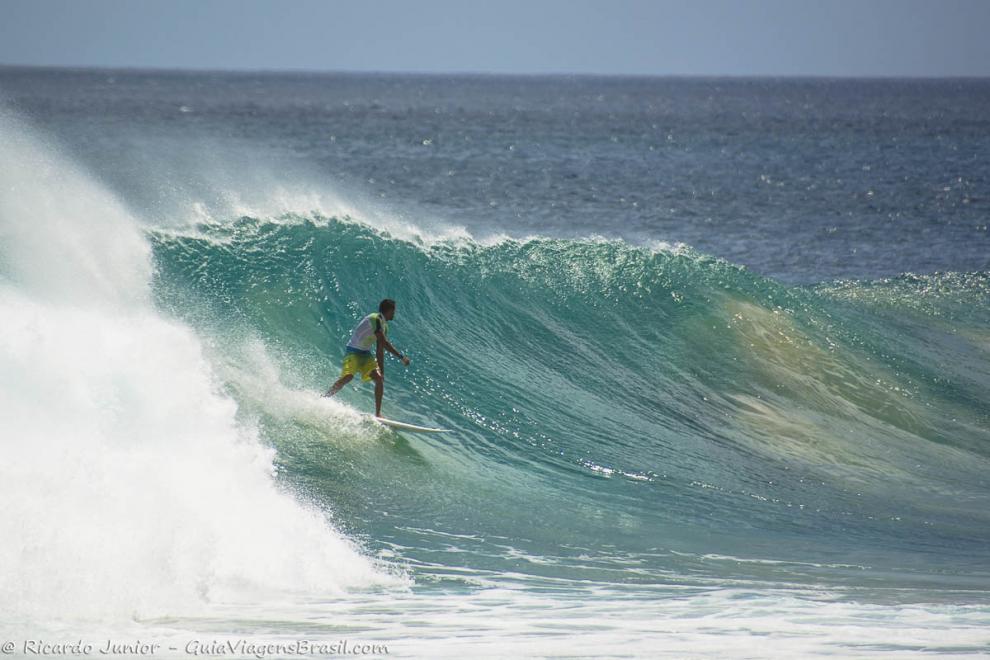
(358, 358)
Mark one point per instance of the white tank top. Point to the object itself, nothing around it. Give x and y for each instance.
(363, 337)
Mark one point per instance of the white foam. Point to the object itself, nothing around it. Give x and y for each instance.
(258, 380)
(514, 617)
(129, 487)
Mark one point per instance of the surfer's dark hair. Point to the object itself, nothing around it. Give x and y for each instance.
(385, 305)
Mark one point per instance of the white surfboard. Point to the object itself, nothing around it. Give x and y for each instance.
(403, 426)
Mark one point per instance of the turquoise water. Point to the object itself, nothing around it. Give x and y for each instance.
(658, 447)
(612, 402)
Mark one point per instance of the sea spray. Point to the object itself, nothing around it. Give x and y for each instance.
(129, 486)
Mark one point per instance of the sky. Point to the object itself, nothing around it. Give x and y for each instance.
(625, 37)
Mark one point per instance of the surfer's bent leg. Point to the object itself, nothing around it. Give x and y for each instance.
(343, 380)
(379, 379)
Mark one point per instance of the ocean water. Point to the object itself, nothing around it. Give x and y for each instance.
(715, 355)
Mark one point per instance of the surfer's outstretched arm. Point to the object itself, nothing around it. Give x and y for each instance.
(382, 341)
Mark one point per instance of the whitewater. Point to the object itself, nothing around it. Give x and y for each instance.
(671, 437)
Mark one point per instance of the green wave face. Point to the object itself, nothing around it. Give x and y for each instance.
(618, 412)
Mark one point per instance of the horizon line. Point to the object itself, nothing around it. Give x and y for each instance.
(482, 74)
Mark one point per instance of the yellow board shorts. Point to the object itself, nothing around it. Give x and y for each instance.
(359, 363)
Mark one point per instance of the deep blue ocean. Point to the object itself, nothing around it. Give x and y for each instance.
(714, 353)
